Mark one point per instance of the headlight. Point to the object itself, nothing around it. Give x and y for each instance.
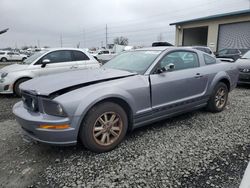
(53, 108)
(4, 74)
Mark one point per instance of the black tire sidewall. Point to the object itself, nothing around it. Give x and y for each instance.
(86, 129)
(211, 104)
(4, 59)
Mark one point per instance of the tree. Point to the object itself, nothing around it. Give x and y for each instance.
(121, 40)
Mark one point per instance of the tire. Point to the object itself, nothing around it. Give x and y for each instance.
(98, 134)
(218, 100)
(24, 58)
(4, 59)
(17, 84)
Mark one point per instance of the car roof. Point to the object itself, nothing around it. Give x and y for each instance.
(54, 49)
(160, 48)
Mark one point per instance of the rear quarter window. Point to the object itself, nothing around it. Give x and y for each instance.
(79, 56)
(209, 60)
(2, 53)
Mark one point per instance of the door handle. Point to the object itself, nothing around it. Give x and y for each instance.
(74, 67)
(198, 75)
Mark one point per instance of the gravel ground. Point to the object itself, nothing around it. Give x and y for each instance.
(198, 149)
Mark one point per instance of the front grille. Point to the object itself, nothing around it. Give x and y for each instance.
(30, 101)
(244, 79)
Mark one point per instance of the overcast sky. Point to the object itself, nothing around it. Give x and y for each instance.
(41, 22)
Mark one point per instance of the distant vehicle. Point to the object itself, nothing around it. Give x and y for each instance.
(11, 56)
(243, 64)
(103, 55)
(136, 88)
(154, 44)
(49, 61)
(231, 53)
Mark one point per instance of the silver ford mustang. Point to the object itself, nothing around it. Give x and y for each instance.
(98, 107)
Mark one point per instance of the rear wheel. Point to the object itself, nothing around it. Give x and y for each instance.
(218, 100)
(24, 58)
(104, 127)
(4, 59)
(17, 84)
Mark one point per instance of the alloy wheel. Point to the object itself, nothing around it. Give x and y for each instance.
(220, 98)
(107, 128)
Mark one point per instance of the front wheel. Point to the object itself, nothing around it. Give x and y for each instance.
(218, 99)
(104, 127)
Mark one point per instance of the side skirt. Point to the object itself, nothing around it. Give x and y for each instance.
(161, 114)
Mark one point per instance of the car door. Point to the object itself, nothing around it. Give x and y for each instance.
(183, 84)
(16, 56)
(58, 61)
(10, 56)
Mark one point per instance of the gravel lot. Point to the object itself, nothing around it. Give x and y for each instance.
(198, 149)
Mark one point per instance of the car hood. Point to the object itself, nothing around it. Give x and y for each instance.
(14, 68)
(64, 82)
(243, 63)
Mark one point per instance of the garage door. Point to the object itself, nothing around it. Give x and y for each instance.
(235, 35)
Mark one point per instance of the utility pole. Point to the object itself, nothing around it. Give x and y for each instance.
(84, 42)
(106, 36)
(61, 40)
(38, 43)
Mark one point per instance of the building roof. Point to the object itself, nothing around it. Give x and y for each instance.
(237, 13)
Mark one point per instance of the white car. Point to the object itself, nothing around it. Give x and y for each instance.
(49, 61)
(104, 55)
(11, 56)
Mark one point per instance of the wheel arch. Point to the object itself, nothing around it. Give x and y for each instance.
(117, 100)
(225, 81)
(24, 77)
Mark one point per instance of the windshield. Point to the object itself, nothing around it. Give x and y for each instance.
(135, 61)
(246, 55)
(32, 58)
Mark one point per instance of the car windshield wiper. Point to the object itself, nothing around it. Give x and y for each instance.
(244, 58)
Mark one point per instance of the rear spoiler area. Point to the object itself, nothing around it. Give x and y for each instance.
(228, 60)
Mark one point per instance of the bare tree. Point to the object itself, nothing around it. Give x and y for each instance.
(121, 40)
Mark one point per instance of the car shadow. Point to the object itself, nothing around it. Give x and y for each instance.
(243, 86)
(9, 96)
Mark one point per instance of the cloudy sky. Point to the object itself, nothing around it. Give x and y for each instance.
(44, 22)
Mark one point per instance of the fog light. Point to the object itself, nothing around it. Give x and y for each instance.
(66, 126)
(6, 88)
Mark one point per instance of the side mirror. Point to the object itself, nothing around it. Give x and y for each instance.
(45, 62)
(170, 67)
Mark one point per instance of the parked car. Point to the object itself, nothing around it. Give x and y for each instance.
(42, 63)
(104, 55)
(133, 89)
(11, 56)
(154, 44)
(231, 53)
(244, 68)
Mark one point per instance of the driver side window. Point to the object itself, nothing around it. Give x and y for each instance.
(180, 60)
(58, 56)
